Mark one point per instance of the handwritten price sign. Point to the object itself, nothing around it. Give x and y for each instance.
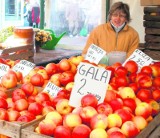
(89, 79)
(95, 54)
(24, 66)
(140, 58)
(3, 70)
(52, 89)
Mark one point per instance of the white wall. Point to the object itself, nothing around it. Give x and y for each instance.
(136, 11)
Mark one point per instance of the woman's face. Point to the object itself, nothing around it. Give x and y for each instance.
(118, 18)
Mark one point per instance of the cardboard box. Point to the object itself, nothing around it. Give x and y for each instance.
(150, 2)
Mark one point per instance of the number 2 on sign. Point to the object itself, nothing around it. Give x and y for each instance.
(83, 84)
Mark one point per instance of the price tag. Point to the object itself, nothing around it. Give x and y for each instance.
(95, 54)
(3, 70)
(52, 89)
(140, 58)
(89, 79)
(24, 66)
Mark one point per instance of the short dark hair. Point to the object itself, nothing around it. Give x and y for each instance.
(122, 7)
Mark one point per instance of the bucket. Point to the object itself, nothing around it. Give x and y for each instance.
(116, 56)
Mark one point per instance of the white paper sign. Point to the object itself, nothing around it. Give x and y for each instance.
(89, 79)
(140, 58)
(24, 66)
(95, 54)
(3, 70)
(52, 89)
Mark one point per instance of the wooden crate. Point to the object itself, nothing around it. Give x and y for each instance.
(150, 2)
(13, 129)
(28, 131)
(154, 54)
(152, 130)
(22, 52)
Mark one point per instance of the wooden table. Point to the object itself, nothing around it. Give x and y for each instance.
(46, 56)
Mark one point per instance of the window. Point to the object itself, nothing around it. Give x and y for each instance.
(77, 18)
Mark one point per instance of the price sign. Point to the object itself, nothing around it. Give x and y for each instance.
(3, 70)
(52, 89)
(140, 58)
(24, 66)
(95, 54)
(89, 79)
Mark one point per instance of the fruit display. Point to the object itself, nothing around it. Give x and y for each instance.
(130, 104)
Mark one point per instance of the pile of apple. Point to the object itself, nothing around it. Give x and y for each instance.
(131, 101)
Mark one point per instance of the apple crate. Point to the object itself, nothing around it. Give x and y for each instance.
(13, 129)
(20, 52)
(152, 130)
(28, 131)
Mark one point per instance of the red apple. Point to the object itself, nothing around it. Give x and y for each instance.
(116, 134)
(55, 117)
(147, 70)
(21, 104)
(86, 113)
(72, 120)
(124, 114)
(89, 100)
(44, 74)
(18, 94)
(29, 114)
(130, 129)
(155, 107)
(121, 71)
(66, 77)
(143, 109)
(64, 65)
(99, 121)
(155, 70)
(37, 80)
(24, 118)
(63, 107)
(116, 104)
(55, 79)
(51, 68)
(13, 115)
(9, 80)
(81, 131)
(156, 95)
(64, 93)
(11, 104)
(104, 108)
(110, 95)
(131, 103)
(3, 103)
(47, 127)
(121, 81)
(28, 88)
(145, 82)
(3, 114)
(62, 132)
(47, 109)
(41, 97)
(144, 94)
(131, 66)
(140, 122)
(35, 108)
(156, 82)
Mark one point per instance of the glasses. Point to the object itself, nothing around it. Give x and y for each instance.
(118, 15)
